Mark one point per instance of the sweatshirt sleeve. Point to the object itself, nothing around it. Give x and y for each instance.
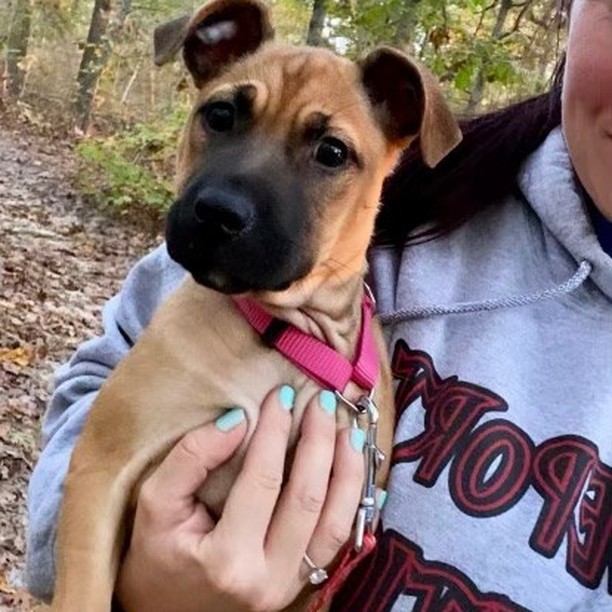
(76, 386)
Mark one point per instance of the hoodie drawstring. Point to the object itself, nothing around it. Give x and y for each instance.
(424, 312)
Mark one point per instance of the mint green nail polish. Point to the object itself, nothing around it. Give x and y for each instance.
(230, 419)
(286, 395)
(381, 498)
(328, 401)
(357, 439)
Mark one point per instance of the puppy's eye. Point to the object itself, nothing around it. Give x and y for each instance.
(331, 152)
(219, 116)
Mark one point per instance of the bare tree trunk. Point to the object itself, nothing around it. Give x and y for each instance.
(317, 21)
(91, 66)
(17, 47)
(96, 54)
(405, 27)
(476, 92)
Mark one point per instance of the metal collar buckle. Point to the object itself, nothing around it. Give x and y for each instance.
(367, 513)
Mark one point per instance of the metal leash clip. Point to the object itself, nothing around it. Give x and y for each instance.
(367, 512)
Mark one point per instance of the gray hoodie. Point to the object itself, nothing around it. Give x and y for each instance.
(500, 495)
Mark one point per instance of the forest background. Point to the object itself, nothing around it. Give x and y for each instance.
(83, 70)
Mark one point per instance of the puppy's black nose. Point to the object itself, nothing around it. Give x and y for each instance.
(224, 213)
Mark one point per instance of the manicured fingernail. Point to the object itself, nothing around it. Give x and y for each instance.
(286, 395)
(357, 439)
(381, 498)
(328, 401)
(230, 419)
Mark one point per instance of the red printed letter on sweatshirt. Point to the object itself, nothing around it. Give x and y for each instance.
(397, 568)
(452, 409)
(590, 546)
(493, 470)
(560, 469)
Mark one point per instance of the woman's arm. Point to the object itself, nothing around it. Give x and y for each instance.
(76, 386)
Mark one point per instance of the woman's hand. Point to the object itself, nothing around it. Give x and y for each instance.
(252, 559)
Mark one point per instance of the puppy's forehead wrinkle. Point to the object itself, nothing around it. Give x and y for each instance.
(316, 123)
(334, 89)
(304, 116)
(292, 74)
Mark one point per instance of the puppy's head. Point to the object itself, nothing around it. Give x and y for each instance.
(283, 157)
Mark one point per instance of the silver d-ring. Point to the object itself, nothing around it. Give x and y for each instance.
(317, 575)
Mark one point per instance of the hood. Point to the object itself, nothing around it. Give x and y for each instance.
(551, 188)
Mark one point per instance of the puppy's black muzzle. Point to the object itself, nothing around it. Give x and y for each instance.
(236, 234)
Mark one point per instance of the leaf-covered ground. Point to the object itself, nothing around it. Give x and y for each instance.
(59, 262)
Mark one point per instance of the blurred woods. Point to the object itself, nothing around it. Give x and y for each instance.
(86, 65)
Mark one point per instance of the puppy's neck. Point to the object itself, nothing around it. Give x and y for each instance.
(331, 313)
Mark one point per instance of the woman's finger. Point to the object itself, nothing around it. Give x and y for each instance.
(338, 516)
(304, 494)
(168, 494)
(253, 497)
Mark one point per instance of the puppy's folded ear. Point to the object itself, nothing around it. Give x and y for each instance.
(168, 38)
(408, 102)
(218, 33)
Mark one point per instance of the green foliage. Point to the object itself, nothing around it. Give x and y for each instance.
(131, 172)
(464, 42)
(291, 20)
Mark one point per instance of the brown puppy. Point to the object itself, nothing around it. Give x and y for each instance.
(279, 174)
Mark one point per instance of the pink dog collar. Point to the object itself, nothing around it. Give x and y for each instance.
(316, 359)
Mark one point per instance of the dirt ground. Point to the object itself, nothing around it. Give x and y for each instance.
(59, 263)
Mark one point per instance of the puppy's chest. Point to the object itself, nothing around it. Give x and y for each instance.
(210, 352)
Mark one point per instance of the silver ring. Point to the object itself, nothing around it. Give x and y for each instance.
(317, 575)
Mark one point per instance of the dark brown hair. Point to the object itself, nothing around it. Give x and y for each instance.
(480, 172)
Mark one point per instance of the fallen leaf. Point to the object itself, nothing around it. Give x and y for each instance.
(21, 356)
